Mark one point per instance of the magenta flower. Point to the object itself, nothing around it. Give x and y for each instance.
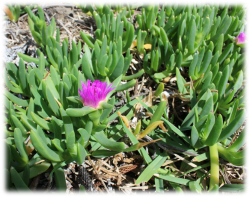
(241, 38)
(94, 92)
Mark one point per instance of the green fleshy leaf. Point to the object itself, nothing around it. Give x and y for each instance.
(194, 136)
(16, 100)
(79, 112)
(75, 99)
(215, 132)
(109, 143)
(233, 126)
(60, 179)
(6, 154)
(43, 149)
(20, 145)
(41, 122)
(17, 180)
(151, 169)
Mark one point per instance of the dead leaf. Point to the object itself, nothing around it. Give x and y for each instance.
(166, 79)
(163, 128)
(134, 44)
(164, 97)
(150, 128)
(160, 125)
(29, 149)
(125, 120)
(125, 169)
(147, 46)
(173, 80)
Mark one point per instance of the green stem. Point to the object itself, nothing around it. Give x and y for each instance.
(214, 161)
(95, 116)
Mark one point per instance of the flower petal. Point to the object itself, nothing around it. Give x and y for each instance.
(94, 92)
(241, 38)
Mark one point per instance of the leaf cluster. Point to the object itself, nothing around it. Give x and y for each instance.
(48, 126)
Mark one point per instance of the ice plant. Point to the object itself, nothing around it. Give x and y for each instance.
(9, 13)
(94, 92)
(241, 38)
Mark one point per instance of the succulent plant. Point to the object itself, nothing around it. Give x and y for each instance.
(112, 27)
(14, 10)
(51, 102)
(105, 60)
(59, 111)
(203, 26)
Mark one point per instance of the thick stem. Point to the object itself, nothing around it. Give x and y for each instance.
(95, 116)
(214, 163)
